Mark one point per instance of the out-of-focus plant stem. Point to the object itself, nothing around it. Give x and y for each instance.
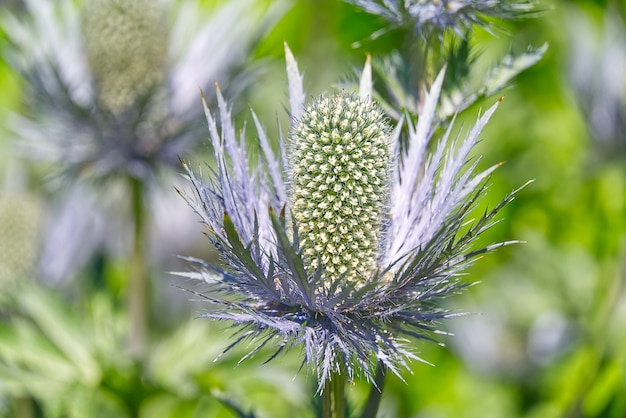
(334, 401)
(23, 408)
(138, 281)
(596, 343)
(416, 52)
(376, 393)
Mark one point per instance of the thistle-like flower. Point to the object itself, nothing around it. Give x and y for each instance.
(111, 94)
(427, 17)
(348, 242)
(597, 59)
(20, 225)
(420, 31)
(112, 85)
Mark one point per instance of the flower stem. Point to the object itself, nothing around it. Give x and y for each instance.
(376, 392)
(334, 402)
(23, 408)
(138, 285)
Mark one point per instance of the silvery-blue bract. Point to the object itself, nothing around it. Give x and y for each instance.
(434, 17)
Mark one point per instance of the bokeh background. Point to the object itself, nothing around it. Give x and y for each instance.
(547, 333)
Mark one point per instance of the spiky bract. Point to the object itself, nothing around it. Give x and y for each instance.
(434, 17)
(272, 287)
(340, 163)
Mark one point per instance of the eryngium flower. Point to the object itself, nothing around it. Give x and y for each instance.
(426, 17)
(112, 86)
(20, 229)
(597, 58)
(279, 290)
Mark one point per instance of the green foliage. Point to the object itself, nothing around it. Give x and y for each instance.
(70, 360)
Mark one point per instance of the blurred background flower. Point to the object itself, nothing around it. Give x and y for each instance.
(109, 101)
(428, 35)
(112, 97)
(113, 87)
(427, 18)
(597, 57)
(21, 221)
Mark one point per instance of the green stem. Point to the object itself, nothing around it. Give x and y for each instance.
(597, 344)
(23, 408)
(138, 285)
(334, 401)
(376, 392)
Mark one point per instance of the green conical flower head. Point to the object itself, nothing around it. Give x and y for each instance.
(126, 48)
(340, 160)
(20, 226)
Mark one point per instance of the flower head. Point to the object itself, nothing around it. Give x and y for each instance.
(422, 46)
(125, 46)
(426, 17)
(597, 57)
(340, 157)
(112, 85)
(111, 99)
(397, 226)
(20, 226)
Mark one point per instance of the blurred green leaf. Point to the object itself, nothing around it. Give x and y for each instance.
(610, 384)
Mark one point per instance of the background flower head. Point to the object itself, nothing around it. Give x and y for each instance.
(112, 86)
(597, 57)
(434, 17)
(125, 44)
(112, 97)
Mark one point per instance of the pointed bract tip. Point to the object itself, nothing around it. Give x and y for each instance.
(500, 99)
(365, 83)
(287, 49)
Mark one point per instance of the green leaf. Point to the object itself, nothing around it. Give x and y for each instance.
(607, 385)
(509, 67)
(242, 253)
(294, 260)
(63, 332)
